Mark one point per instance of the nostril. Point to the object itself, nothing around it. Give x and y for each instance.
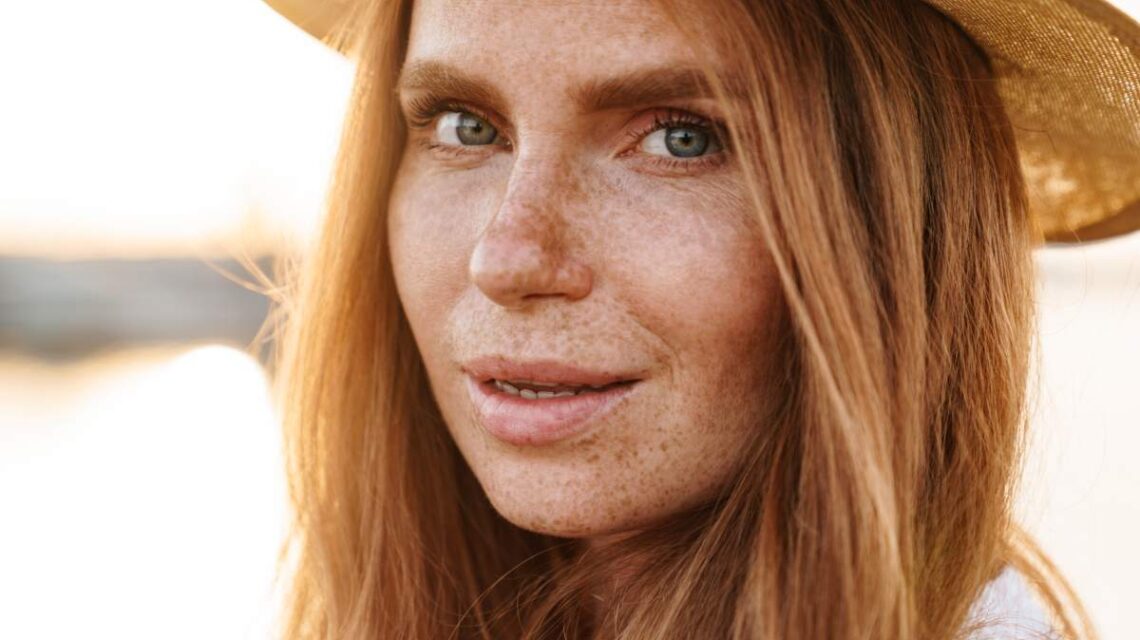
(512, 273)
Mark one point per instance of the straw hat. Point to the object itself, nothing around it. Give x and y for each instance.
(1069, 74)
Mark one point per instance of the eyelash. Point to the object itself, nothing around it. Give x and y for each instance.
(677, 118)
(423, 111)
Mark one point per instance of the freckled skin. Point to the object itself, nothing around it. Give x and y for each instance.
(559, 247)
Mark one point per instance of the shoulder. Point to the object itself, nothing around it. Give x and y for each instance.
(1008, 609)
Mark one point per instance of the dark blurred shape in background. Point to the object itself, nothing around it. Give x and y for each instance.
(68, 309)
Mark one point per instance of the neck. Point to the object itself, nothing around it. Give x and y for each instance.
(617, 564)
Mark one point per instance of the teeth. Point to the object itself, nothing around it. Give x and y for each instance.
(538, 395)
(541, 384)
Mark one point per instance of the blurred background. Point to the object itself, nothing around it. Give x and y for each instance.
(149, 152)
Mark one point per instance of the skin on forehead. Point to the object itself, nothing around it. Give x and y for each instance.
(549, 37)
(629, 266)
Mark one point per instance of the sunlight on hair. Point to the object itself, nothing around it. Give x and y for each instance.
(142, 490)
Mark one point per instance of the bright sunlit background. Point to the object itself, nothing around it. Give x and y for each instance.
(146, 144)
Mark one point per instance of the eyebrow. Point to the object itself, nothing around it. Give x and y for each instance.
(637, 88)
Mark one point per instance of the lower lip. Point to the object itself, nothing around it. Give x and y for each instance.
(520, 421)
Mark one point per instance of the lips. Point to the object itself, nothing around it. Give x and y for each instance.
(506, 397)
(546, 371)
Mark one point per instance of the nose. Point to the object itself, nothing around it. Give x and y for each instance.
(524, 252)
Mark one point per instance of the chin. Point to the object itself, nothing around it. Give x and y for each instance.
(570, 521)
(581, 500)
(575, 505)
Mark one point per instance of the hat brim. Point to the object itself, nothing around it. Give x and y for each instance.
(319, 18)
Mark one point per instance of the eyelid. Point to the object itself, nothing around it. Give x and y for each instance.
(421, 111)
(651, 121)
(676, 118)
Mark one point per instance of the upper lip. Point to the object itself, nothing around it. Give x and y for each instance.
(488, 368)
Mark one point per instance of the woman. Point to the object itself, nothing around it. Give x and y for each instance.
(639, 319)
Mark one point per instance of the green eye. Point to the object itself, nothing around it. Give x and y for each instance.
(464, 129)
(685, 142)
(680, 142)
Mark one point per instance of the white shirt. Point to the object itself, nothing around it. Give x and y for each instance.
(1011, 610)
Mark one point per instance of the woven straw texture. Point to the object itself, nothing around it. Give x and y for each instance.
(1069, 75)
(1068, 72)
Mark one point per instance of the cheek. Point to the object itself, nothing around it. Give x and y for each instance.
(702, 273)
(428, 250)
(697, 273)
(433, 225)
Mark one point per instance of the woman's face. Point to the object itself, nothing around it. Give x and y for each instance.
(566, 221)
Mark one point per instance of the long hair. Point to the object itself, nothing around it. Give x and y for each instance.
(885, 178)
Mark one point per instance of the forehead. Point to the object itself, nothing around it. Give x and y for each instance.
(547, 41)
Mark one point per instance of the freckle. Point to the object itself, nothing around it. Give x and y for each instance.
(664, 446)
(593, 457)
